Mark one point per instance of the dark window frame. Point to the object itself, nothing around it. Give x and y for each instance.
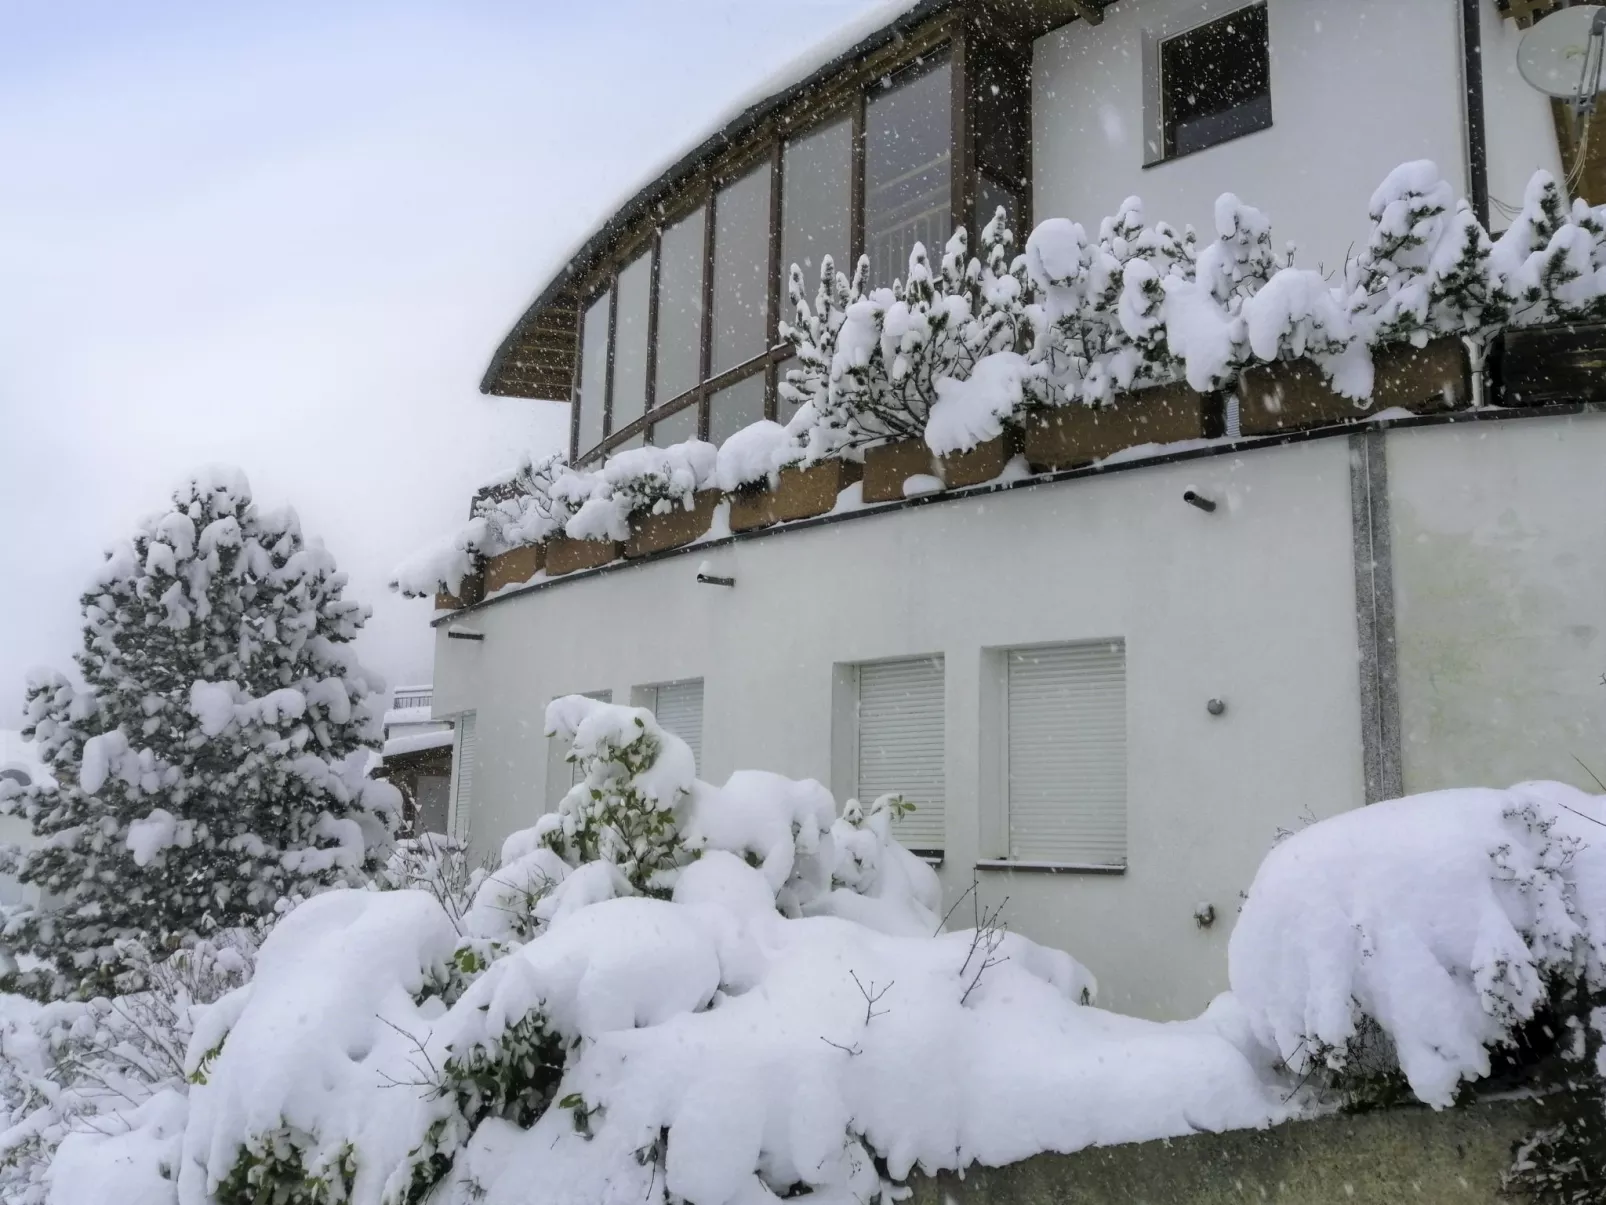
(949, 41)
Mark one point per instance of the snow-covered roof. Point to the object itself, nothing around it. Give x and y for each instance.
(417, 742)
(879, 24)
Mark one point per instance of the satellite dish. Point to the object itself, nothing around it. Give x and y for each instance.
(1561, 55)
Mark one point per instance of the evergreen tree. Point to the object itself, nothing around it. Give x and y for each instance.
(213, 763)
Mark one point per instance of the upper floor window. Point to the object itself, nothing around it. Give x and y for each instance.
(1215, 82)
(679, 338)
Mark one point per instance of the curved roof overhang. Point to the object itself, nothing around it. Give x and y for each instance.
(536, 358)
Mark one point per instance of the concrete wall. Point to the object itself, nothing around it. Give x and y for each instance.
(1254, 604)
(1358, 87)
(1499, 535)
(1385, 1158)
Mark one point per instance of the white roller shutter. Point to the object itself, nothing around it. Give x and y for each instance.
(562, 747)
(679, 708)
(900, 744)
(1067, 754)
(463, 772)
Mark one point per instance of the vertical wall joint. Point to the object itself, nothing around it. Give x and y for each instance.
(1374, 614)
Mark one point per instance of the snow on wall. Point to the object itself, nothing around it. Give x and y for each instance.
(1342, 76)
(1204, 611)
(1499, 581)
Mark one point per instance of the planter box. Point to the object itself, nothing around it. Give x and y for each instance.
(469, 591)
(654, 533)
(804, 493)
(514, 567)
(1546, 365)
(1289, 395)
(1067, 436)
(750, 508)
(981, 463)
(888, 466)
(564, 555)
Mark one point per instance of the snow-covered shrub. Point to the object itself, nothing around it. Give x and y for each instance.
(624, 810)
(438, 864)
(753, 456)
(77, 1075)
(292, 1069)
(871, 361)
(1550, 264)
(1444, 922)
(212, 765)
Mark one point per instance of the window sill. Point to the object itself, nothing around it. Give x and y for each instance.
(1200, 150)
(1051, 867)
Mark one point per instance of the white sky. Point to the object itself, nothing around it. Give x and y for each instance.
(289, 237)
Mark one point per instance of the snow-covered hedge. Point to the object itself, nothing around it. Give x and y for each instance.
(751, 997)
(954, 354)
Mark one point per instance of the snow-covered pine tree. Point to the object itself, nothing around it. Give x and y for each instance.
(213, 764)
(1425, 269)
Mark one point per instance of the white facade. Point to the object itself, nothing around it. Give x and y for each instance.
(1498, 566)
(1357, 88)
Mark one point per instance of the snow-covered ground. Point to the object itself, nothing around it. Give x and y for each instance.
(676, 991)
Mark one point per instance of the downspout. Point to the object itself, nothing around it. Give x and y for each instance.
(1477, 136)
(1477, 139)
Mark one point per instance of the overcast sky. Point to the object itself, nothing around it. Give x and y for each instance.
(288, 237)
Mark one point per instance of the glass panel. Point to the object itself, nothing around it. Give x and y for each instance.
(1217, 81)
(680, 308)
(676, 429)
(908, 158)
(593, 372)
(630, 344)
(1001, 109)
(816, 204)
(736, 407)
(741, 269)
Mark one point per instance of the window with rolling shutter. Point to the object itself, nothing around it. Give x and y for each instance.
(1066, 744)
(463, 771)
(901, 746)
(679, 708)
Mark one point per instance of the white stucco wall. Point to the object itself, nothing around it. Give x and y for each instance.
(1254, 604)
(1499, 536)
(1358, 87)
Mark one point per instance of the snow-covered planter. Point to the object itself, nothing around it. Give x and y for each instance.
(567, 555)
(1064, 437)
(655, 531)
(514, 567)
(888, 466)
(1546, 365)
(1288, 395)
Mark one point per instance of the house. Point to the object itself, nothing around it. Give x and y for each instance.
(1106, 688)
(19, 764)
(417, 758)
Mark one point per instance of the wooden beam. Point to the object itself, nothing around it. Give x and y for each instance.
(1089, 12)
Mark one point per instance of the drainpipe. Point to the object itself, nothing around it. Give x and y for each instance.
(1472, 96)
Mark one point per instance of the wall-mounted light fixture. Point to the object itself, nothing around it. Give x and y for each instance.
(1192, 498)
(464, 634)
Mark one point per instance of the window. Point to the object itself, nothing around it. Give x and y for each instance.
(432, 798)
(741, 269)
(680, 310)
(679, 708)
(1215, 82)
(592, 396)
(629, 392)
(1065, 745)
(681, 340)
(816, 205)
(900, 745)
(908, 160)
(463, 755)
